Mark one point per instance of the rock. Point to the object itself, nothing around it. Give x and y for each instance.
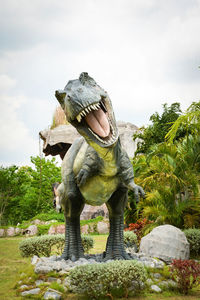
(84, 229)
(23, 287)
(157, 275)
(31, 292)
(52, 294)
(102, 227)
(2, 232)
(52, 279)
(10, 231)
(17, 231)
(149, 281)
(91, 212)
(52, 230)
(60, 229)
(39, 282)
(37, 222)
(165, 242)
(34, 260)
(43, 269)
(172, 283)
(57, 229)
(32, 230)
(156, 288)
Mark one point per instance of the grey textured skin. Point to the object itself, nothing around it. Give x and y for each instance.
(95, 170)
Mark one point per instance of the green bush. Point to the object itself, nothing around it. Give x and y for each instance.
(43, 229)
(130, 239)
(42, 245)
(193, 237)
(87, 242)
(52, 215)
(113, 278)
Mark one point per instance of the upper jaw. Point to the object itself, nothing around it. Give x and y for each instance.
(82, 126)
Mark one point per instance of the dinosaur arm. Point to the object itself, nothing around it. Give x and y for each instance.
(127, 176)
(90, 166)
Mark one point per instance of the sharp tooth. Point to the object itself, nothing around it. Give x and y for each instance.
(79, 118)
(84, 113)
(87, 110)
(93, 107)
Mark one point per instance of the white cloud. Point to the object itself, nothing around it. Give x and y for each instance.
(15, 136)
(143, 52)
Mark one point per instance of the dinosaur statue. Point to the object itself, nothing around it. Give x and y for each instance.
(95, 170)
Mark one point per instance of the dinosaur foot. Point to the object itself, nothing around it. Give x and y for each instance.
(71, 257)
(116, 256)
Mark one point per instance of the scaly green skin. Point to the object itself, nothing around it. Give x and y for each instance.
(93, 173)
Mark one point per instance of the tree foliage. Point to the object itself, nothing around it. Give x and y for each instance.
(170, 174)
(155, 133)
(26, 191)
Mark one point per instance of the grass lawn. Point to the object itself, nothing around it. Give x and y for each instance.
(11, 264)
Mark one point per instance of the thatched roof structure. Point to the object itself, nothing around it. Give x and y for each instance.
(58, 140)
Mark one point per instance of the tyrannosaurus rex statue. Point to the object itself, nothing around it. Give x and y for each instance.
(95, 170)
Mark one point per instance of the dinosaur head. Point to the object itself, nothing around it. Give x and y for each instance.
(89, 109)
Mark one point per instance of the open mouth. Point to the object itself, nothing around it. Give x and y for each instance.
(97, 120)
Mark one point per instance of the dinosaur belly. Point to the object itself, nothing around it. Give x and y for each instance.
(99, 189)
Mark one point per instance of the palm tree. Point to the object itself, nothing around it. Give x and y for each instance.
(170, 177)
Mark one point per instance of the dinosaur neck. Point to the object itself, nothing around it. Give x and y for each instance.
(107, 154)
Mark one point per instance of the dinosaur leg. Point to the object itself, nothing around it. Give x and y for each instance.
(115, 243)
(73, 207)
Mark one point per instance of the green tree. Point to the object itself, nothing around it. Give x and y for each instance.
(26, 191)
(155, 133)
(170, 176)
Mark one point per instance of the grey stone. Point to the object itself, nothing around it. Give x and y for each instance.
(10, 231)
(34, 260)
(156, 288)
(157, 275)
(52, 294)
(52, 279)
(91, 212)
(39, 282)
(149, 281)
(172, 283)
(165, 242)
(2, 232)
(52, 230)
(163, 284)
(32, 230)
(18, 231)
(23, 287)
(31, 292)
(102, 227)
(84, 229)
(43, 269)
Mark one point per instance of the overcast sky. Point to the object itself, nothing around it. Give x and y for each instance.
(144, 53)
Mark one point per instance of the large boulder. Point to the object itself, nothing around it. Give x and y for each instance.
(103, 227)
(165, 242)
(11, 231)
(91, 212)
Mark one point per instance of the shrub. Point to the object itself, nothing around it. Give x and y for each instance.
(50, 216)
(138, 227)
(43, 229)
(87, 242)
(186, 273)
(42, 245)
(193, 237)
(106, 279)
(130, 239)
